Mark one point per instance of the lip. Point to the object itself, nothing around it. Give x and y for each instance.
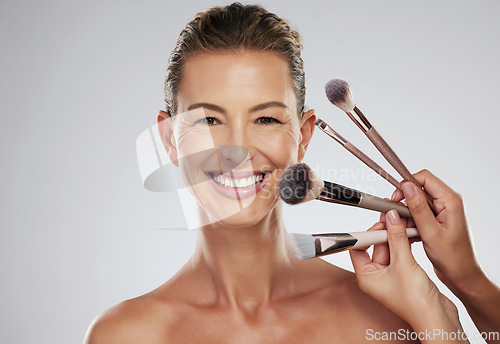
(237, 192)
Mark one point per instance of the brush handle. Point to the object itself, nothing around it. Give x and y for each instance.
(384, 148)
(369, 238)
(324, 127)
(379, 204)
(372, 164)
(336, 193)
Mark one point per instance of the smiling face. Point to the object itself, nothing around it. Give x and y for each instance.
(229, 100)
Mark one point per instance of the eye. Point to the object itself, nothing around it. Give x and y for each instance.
(207, 120)
(267, 120)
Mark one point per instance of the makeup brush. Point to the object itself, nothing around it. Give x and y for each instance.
(356, 152)
(299, 184)
(339, 93)
(305, 246)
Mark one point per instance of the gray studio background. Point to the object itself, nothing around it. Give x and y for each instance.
(80, 80)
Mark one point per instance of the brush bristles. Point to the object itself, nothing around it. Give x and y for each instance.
(301, 246)
(339, 93)
(299, 184)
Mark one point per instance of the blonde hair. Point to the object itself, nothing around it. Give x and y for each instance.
(237, 28)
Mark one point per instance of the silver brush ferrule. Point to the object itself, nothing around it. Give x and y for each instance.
(330, 132)
(332, 243)
(357, 116)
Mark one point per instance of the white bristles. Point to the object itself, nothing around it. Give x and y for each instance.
(339, 93)
(301, 245)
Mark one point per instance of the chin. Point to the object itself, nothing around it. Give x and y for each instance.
(246, 217)
(236, 214)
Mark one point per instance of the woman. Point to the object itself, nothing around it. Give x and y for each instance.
(236, 79)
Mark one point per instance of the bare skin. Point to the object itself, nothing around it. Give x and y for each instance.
(448, 245)
(241, 285)
(306, 302)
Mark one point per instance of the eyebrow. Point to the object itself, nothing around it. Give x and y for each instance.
(255, 108)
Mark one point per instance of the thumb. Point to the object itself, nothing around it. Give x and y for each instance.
(399, 247)
(419, 208)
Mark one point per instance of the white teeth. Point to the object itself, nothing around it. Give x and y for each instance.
(240, 183)
(248, 181)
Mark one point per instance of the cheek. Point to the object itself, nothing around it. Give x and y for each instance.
(193, 140)
(195, 147)
(280, 146)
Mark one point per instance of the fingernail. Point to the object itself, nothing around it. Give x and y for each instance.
(393, 217)
(409, 189)
(394, 195)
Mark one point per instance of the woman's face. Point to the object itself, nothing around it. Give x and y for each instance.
(230, 100)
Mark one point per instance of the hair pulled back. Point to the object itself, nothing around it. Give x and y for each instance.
(237, 28)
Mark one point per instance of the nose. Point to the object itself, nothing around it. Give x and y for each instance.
(231, 156)
(237, 146)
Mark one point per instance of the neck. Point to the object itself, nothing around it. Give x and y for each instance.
(248, 266)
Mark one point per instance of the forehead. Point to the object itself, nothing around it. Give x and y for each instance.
(244, 79)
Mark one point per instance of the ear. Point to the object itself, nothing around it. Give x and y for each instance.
(165, 130)
(306, 132)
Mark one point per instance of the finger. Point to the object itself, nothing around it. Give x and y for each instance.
(382, 218)
(397, 196)
(380, 252)
(444, 196)
(377, 226)
(434, 186)
(419, 209)
(405, 222)
(398, 201)
(360, 260)
(399, 247)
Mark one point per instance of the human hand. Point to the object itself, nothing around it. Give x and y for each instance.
(445, 237)
(394, 278)
(448, 245)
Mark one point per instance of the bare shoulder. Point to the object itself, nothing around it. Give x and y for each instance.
(364, 314)
(144, 319)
